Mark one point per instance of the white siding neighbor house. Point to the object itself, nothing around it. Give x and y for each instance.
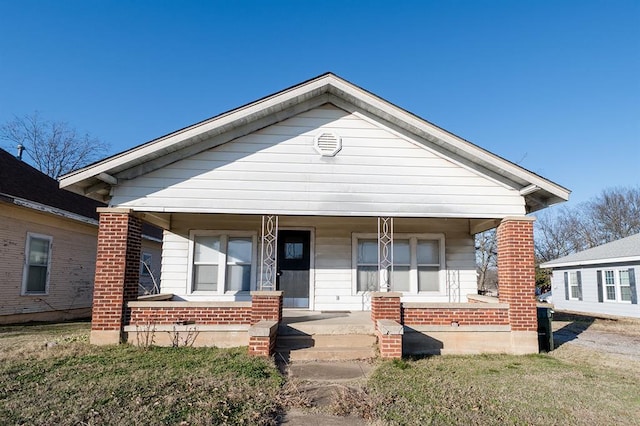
(322, 191)
(601, 280)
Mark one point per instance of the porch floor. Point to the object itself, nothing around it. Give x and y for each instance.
(302, 322)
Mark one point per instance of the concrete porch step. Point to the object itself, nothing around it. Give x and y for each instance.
(306, 329)
(325, 341)
(328, 354)
(336, 347)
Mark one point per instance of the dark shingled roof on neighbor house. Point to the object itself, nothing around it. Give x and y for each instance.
(19, 180)
(622, 250)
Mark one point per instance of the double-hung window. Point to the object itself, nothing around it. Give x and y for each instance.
(610, 285)
(617, 285)
(35, 275)
(222, 261)
(417, 263)
(574, 286)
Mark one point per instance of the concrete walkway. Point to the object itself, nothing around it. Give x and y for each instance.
(320, 381)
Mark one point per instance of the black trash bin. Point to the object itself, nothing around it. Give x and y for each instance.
(545, 330)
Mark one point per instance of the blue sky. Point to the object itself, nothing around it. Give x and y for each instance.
(551, 85)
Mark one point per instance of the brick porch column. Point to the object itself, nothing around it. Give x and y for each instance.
(386, 306)
(516, 272)
(117, 273)
(266, 305)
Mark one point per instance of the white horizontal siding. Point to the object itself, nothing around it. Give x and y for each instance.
(277, 170)
(333, 276)
(175, 250)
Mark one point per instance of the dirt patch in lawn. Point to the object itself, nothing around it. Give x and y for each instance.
(609, 342)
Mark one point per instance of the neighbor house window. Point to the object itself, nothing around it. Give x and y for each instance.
(35, 276)
(222, 262)
(617, 285)
(417, 263)
(610, 285)
(574, 286)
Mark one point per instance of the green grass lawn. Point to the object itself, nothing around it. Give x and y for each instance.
(73, 383)
(502, 389)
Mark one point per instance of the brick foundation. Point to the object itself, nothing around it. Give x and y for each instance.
(516, 271)
(117, 273)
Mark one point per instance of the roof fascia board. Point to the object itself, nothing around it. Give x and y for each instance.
(551, 265)
(53, 210)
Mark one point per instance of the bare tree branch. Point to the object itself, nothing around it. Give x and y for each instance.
(613, 214)
(54, 147)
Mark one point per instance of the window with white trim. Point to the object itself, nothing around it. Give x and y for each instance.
(37, 264)
(617, 285)
(222, 261)
(418, 263)
(574, 286)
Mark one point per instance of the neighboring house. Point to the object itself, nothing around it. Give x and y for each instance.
(326, 193)
(48, 240)
(600, 280)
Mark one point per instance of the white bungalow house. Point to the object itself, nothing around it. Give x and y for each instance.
(328, 194)
(600, 280)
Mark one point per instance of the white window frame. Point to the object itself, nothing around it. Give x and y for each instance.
(222, 260)
(573, 274)
(25, 269)
(413, 269)
(616, 279)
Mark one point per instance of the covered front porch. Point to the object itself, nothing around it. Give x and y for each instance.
(321, 263)
(241, 299)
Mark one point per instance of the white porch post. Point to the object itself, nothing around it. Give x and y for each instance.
(385, 252)
(268, 253)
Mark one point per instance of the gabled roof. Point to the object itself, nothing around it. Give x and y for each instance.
(20, 183)
(96, 180)
(623, 250)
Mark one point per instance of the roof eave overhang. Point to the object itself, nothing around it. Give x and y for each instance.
(90, 181)
(576, 263)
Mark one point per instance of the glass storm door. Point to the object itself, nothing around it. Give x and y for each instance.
(294, 255)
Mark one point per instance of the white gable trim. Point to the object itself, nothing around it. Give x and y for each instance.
(274, 108)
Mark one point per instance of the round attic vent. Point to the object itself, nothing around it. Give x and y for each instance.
(327, 144)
